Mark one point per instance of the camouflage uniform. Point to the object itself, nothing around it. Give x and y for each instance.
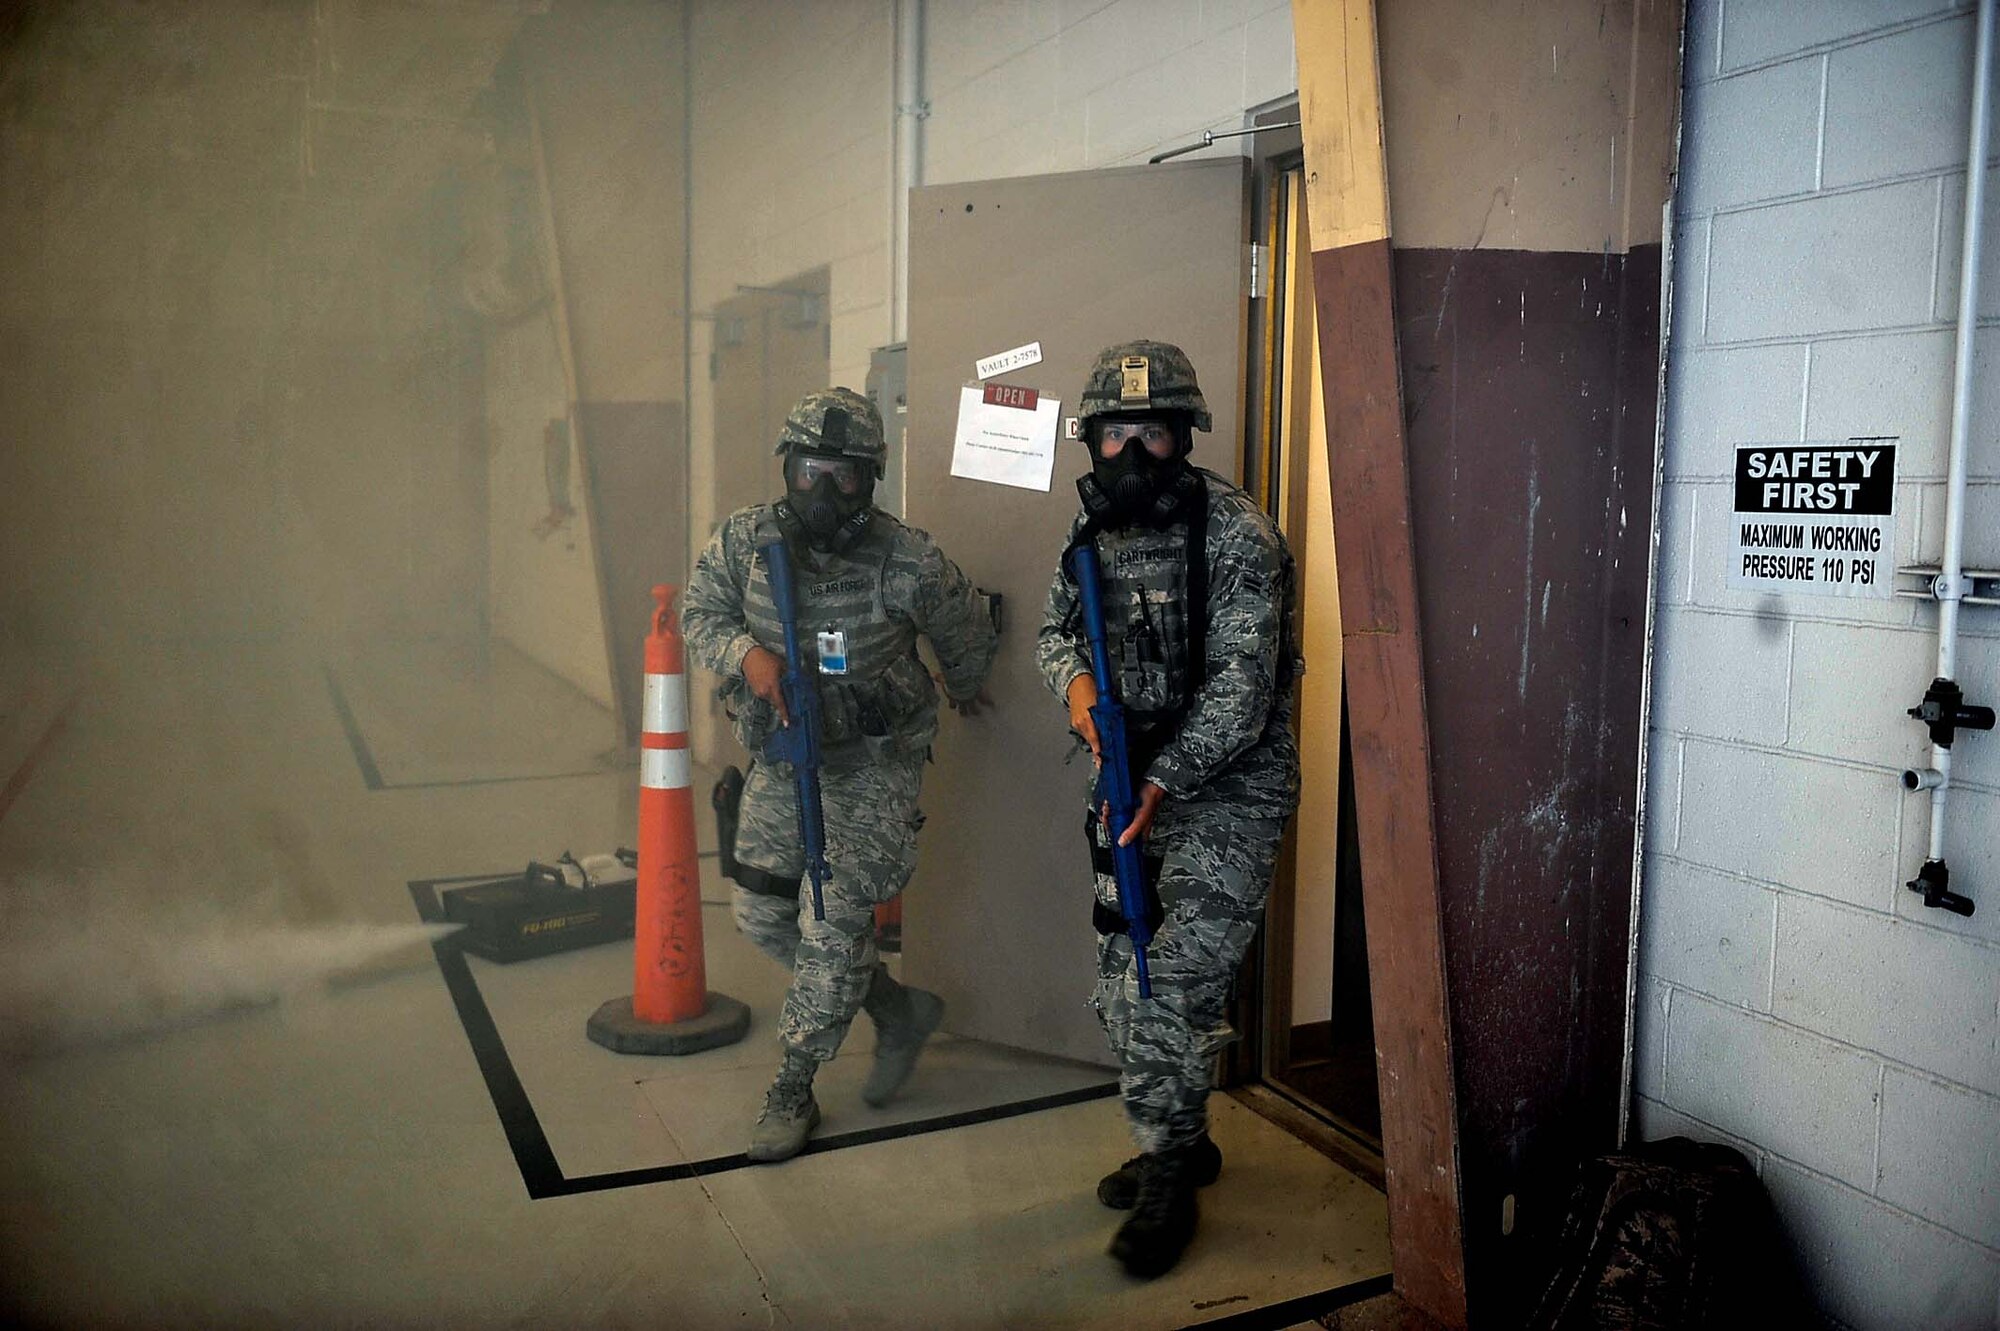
(871, 847)
(1225, 755)
(892, 585)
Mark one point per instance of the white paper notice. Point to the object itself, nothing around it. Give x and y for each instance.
(1018, 358)
(1006, 435)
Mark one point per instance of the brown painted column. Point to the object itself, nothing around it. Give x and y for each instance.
(1348, 218)
(1499, 499)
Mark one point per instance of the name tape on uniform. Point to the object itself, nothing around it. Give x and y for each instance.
(1815, 519)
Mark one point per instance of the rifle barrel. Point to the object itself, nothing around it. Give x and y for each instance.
(798, 742)
(1115, 779)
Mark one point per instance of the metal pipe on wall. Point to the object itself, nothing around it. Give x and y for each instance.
(1950, 586)
(910, 111)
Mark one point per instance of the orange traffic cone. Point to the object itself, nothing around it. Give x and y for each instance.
(889, 925)
(671, 1009)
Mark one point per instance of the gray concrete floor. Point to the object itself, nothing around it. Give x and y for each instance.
(236, 1090)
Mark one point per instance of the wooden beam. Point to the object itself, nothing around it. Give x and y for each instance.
(1347, 207)
(1340, 106)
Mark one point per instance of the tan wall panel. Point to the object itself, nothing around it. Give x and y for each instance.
(1532, 127)
(607, 80)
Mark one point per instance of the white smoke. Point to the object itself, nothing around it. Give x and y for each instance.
(71, 987)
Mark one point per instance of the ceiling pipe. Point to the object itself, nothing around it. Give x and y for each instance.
(910, 111)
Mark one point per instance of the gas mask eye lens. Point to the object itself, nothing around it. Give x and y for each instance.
(1156, 437)
(844, 473)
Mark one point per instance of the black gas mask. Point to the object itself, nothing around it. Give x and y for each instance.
(1135, 485)
(830, 496)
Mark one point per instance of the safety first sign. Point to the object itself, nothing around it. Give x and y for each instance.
(1818, 519)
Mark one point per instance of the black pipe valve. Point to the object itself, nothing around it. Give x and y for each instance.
(1945, 711)
(1933, 881)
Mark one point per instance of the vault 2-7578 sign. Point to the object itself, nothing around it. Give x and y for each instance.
(1818, 519)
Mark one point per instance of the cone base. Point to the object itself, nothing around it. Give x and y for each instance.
(723, 1021)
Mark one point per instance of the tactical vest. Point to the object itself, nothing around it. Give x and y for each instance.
(1154, 591)
(885, 702)
(1146, 619)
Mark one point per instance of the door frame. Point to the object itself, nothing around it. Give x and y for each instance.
(1276, 330)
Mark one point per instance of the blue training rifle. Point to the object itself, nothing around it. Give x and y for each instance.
(1114, 768)
(797, 742)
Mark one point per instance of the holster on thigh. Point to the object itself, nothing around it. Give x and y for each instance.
(727, 799)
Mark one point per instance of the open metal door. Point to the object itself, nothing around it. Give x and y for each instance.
(998, 920)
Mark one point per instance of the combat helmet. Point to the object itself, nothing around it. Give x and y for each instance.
(1142, 376)
(839, 421)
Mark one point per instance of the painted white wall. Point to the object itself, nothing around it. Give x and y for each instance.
(543, 581)
(1795, 1000)
(793, 137)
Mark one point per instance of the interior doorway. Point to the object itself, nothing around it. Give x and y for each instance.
(772, 346)
(1305, 1004)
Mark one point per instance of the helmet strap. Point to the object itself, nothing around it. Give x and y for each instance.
(850, 532)
(1095, 502)
(1174, 497)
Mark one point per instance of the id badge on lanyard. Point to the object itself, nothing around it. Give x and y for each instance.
(833, 652)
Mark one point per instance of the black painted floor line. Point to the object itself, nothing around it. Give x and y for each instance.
(723, 1164)
(499, 780)
(532, 1154)
(371, 775)
(544, 1178)
(371, 772)
(540, 1173)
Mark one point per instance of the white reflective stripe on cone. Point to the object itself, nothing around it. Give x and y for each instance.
(664, 769)
(666, 706)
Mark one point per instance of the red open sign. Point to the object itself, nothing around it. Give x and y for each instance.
(1008, 395)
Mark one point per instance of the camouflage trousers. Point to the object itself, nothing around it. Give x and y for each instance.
(1212, 884)
(871, 848)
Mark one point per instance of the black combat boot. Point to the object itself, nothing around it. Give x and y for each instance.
(905, 1017)
(1162, 1221)
(1120, 1188)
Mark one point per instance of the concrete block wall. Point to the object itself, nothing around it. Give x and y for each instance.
(1793, 998)
(792, 138)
